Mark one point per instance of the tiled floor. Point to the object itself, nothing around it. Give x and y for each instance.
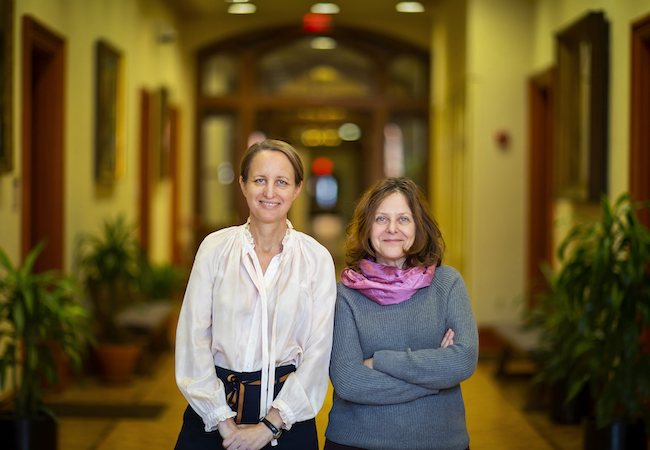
(496, 414)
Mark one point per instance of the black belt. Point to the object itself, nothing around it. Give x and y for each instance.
(237, 395)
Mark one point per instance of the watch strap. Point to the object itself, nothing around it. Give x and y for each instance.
(276, 432)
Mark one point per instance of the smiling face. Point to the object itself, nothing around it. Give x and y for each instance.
(393, 231)
(270, 188)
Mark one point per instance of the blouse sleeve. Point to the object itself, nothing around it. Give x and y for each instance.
(304, 391)
(439, 368)
(195, 373)
(354, 381)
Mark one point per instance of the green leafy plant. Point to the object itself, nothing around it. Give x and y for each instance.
(109, 267)
(39, 309)
(160, 281)
(597, 312)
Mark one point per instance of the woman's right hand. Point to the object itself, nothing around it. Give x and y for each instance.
(448, 339)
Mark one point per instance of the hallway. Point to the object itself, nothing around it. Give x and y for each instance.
(496, 415)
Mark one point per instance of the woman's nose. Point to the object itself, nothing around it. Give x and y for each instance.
(268, 190)
(392, 226)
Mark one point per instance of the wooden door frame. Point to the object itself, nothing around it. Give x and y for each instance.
(541, 91)
(640, 115)
(144, 201)
(174, 154)
(37, 38)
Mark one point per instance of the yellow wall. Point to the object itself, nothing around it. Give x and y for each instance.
(553, 16)
(448, 183)
(480, 190)
(132, 27)
(499, 40)
(483, 51)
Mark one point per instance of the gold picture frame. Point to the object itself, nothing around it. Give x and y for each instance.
(109, 112)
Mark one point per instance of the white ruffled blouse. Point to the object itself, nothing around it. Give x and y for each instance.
(236, 317)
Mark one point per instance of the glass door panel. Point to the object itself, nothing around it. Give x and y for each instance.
(406, 148)
(217, 172)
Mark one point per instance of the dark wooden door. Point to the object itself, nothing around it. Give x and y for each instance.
(43, 69)
(540, 203)
(640, 116)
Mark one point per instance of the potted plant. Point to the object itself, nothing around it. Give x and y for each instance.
(108, 265)
(596, 316)
(160, 281)
(558, 317)
(39, 309)
(160, 286)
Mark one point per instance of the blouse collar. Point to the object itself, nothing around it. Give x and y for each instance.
(286, 240)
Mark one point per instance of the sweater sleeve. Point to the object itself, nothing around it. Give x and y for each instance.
(439, 368)
(355, 382)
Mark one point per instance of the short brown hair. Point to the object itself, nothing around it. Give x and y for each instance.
(428, 246)
(275, 145)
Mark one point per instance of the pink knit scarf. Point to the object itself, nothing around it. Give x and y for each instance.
(387, 285)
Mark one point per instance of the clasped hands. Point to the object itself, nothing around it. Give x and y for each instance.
(248, 436)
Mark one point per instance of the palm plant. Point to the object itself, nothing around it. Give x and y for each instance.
(598, 312)
(42, 310)
(109, 266)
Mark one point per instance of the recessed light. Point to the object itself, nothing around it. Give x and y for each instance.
(323, 43)
(409, 7)
(325, 8)
(242, 8)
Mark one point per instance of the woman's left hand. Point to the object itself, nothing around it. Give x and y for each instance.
(368, 362)
(249, 437)
(448, 339)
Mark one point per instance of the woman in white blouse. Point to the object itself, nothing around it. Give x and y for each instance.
(254, 334)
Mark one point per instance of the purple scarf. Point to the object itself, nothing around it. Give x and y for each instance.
(387, 285)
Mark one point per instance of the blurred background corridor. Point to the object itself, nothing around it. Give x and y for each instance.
(513, 116)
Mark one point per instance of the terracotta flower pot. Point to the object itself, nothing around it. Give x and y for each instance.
(117, 362)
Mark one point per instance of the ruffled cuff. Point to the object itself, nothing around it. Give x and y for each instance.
(288, 417)
(219, 415)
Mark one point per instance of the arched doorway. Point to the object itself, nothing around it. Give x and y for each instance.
(359, 99)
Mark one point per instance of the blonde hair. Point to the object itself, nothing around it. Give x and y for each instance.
(275, 145)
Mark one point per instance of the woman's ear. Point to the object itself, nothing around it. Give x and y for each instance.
(242, 185)
(298, 189)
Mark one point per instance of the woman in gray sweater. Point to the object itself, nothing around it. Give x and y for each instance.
(404, 332)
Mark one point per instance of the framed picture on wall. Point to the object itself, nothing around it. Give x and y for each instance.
(109, 112)
(6, 104)
(580, 157)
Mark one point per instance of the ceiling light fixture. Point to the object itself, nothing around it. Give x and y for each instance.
(409, 7)
(323, 43)
(325, 8)
(242, 8)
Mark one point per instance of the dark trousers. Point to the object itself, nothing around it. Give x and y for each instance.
(329, 445)
(301, 436)
(243, 396)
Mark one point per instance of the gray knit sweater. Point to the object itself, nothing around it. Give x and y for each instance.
(412, 398)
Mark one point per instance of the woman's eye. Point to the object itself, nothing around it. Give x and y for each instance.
(282, 182)
(381, 219)
(404, 219)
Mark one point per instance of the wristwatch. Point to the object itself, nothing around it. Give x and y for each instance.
(273, 428)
